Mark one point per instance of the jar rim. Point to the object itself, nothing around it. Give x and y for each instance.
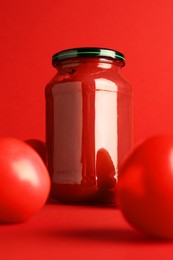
(88, 52)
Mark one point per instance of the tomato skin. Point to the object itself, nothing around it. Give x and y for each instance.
(39, 146)
(145, 187)
(24, 181)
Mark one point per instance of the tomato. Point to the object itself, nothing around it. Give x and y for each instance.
(24, 181)
(39, 146)
(145, 187)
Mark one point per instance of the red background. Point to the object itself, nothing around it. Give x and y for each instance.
(31, 31)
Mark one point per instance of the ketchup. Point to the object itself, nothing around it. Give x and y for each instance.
(88, 124)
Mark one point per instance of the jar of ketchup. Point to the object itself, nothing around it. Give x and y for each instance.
(88, 124)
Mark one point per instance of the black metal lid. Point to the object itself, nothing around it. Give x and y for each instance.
(88, 52)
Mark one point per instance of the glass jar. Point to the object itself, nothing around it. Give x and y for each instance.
(88, 124)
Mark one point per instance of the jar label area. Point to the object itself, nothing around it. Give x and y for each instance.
(85, 134)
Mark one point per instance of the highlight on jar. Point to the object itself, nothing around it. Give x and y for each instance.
(88, 124)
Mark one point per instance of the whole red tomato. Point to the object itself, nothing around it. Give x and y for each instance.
(24, 181)
(145, 187)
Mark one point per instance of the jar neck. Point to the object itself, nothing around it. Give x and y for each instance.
(94, 62)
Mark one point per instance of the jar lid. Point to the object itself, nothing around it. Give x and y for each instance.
(88, 52)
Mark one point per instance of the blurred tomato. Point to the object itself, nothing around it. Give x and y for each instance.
(145, 187)
(24, 181)
(39, 146)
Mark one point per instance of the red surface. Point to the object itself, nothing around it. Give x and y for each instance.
(78, 232)
(31, 31)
